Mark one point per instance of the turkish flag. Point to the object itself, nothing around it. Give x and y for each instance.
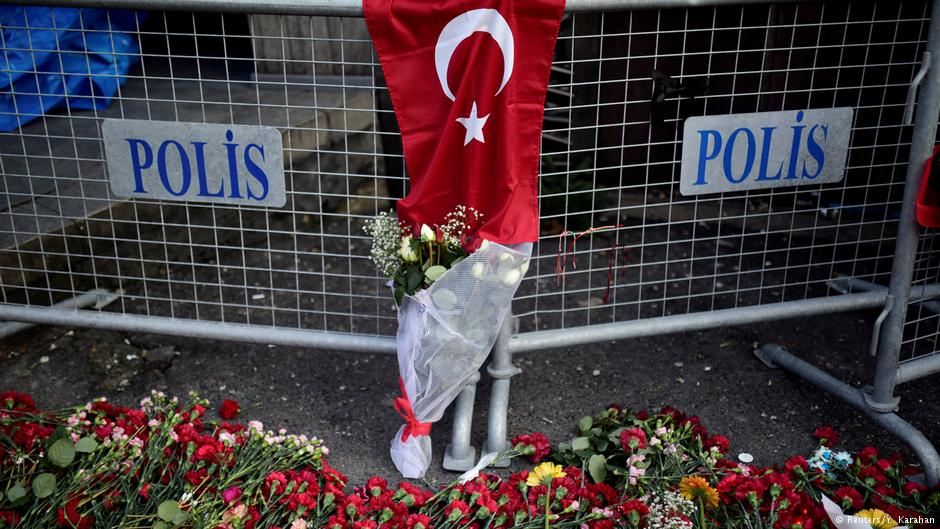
(468, 80)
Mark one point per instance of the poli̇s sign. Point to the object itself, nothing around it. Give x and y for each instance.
(764, 149)
(195, 162)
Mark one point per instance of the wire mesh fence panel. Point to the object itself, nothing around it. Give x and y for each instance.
(922, 330)
(618, 241)
(611, 162)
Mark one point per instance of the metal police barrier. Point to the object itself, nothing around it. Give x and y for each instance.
(703, 164)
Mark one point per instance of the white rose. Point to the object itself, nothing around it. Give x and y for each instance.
(524, 267)
(511, 276)
(406, 252)
(477, 270)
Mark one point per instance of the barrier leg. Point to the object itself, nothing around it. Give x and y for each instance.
(881, 397)
(501, 369)
(775, 356)
(460, 455)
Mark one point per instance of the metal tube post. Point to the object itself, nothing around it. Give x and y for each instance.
(99, 297)
(501, 369)
(460, 455)
(902, 272)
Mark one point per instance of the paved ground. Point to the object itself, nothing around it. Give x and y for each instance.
(345, 397)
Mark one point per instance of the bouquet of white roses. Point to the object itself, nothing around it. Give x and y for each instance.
(453, 294)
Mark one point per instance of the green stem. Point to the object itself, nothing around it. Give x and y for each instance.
(548, 501)
(701, 513)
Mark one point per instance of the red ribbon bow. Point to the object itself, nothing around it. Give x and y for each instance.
(413, 426)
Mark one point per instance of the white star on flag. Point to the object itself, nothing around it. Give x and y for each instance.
(474, 125)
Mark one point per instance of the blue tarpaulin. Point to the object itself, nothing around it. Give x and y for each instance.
(62, 56)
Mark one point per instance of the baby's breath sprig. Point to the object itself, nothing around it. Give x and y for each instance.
(386, 235)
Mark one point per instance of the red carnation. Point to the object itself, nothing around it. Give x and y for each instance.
(634, 511)
(719, 441)
(867, 455)
(632, 439)
(796, 466)
(750, 490)
(912, 487)
(826, 436)
(70, 517)
(849, 498)
(229, 410)
(418, 521)
(536, 442)
(9, 518)
(872, 475)
(376, 485)
(13, 400)
(145, 491)
(196, 477)
(456, 509)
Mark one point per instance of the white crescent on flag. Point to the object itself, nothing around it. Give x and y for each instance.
(464, 25)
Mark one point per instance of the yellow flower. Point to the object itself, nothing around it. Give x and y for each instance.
(696, 488)
(877, 518)
(544, 474)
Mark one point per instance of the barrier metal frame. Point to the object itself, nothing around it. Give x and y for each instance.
(879, 402)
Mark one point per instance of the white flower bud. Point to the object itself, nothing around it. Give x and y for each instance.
(484, 244)
(524, 267)
(477, 270)
(427, 234)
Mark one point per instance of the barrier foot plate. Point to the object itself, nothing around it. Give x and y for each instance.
(459, 464)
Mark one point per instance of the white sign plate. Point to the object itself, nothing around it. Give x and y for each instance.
(195, 162)
(736, 152)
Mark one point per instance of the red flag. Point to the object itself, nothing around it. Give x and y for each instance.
(468, 79)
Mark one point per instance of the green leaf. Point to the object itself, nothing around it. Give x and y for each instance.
(17, 494)
(59, 433)
(86, 445)
(585, 424)
(601, 443)
(434, 272)
(580, 443)
(413, 280)
(44, 485)
(597, 466)
(180, 518)
(161, 525)
(614, 436)
(399, 294)
(62, 453)
(168, 511)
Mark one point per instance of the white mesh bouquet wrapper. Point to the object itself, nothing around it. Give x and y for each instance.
(445, 333)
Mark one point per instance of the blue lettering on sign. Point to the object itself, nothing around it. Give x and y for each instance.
(174, 158)
(805, 141)
(135, 161)
(749, 156)
(702, 156)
